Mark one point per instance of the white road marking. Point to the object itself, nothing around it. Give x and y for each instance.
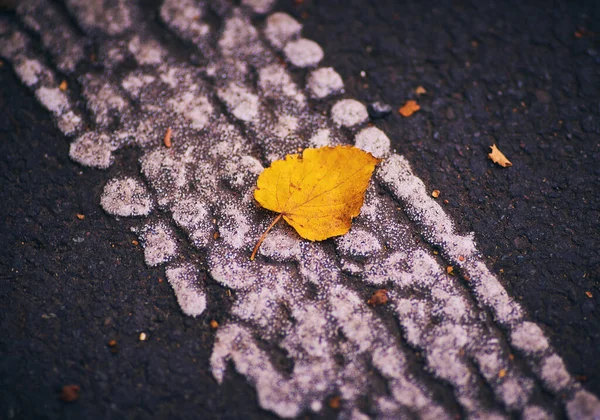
(349, 112)
(126, 197)
(281, 28)
(374, 141)
(324, 82)
(304, 303)
(184, 281)
(303, 52)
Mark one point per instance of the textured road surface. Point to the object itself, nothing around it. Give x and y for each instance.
(524, 77)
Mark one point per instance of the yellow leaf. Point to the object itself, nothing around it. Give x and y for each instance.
(317, 193)
(498, 157)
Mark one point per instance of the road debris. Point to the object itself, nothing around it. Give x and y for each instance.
(335, 402)
(378, 110)
(498, 157)
(420, 90)
(167, 139)
(70, 393)
(409, 108)
(380, 297)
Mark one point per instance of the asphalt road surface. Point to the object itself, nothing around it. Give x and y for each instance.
(125, 266)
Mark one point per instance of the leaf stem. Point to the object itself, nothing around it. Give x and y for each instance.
(262, 238)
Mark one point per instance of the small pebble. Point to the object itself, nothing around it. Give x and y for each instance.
(379, 110)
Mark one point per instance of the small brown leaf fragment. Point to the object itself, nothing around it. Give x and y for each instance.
(461, 258)
(409, 108)
(80, 216)
(70, 393)
(380, 297)
(134, 242)
(167, 139)
(335, 402)
(498, 157)
(216, 235)
(213, 324)
(502, 373)
(63, 85)
(435, 193)
(143, 336)
(112, 344)
(450, 270)
(420, 90)
(589, 294)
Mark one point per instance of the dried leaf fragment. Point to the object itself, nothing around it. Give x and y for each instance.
(420, 90)
(70, 393)
(335, 402)
(409, 108)
(167, 139)
(317, 193)
(589, 294)
(63, 85)
(435, 193)
(380, 297)
(498, 157)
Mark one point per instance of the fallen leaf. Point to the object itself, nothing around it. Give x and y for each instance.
(435, 193)
(420, 90)
(409, 108)
(589, 294)
(63, 85)
(498, 157)
(317, 193)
